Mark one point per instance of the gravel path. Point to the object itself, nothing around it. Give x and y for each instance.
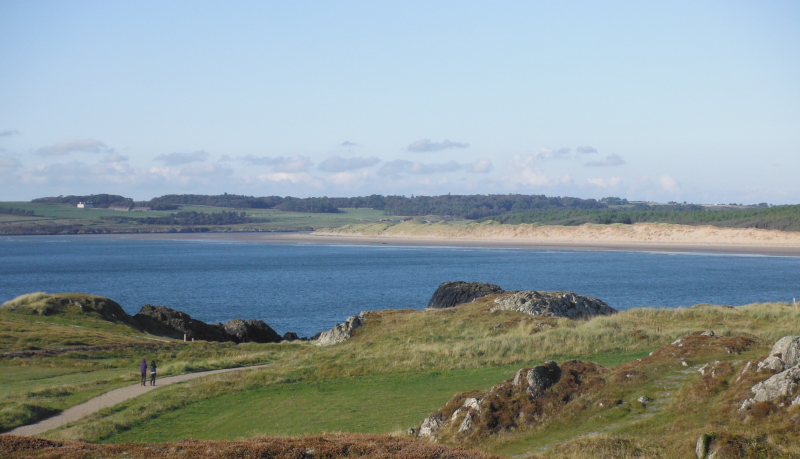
(110, 399)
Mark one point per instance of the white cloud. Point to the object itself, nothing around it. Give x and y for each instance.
(338, 164)
(424, 145)
(66, 147)
(8, 132)
(524, 172)
(481, 166)
(610, 160)
(669, 183)
(612, 183)
(115, 158)
(348, 143)
(280, 163)
(348, 178)
(402, 166)
(548, 153)
(290, 177)
(586, 150)
(176, 159)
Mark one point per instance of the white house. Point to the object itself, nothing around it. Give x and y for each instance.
(85, 205)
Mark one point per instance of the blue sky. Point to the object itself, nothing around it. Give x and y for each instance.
(657, 100)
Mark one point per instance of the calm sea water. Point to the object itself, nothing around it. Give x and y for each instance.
(307, 288)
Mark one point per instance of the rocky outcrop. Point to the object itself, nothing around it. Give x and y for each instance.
(162, 320)
(251, 331)
(341, 332)
(45, 304)
(520, 401)
(784, 355)
(451, 294)
(554, 304)
(780, 389)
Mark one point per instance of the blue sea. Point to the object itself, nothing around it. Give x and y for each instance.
(307, 288)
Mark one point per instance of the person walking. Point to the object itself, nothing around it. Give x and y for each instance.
(153, 373)
(143, 367)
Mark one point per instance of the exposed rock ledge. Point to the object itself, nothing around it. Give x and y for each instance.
(341, 332)
(556, 304)
(168, 321)
(780, 389)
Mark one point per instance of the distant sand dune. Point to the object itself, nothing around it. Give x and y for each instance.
(640, 235)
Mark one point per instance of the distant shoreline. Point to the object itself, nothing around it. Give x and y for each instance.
(474, 242)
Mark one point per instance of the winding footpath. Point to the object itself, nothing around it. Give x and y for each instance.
(108, 399)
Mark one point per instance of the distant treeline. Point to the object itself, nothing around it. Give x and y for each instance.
(15, 211)
(99, 200)
(785, 218)
(456, 206)
(187, 219)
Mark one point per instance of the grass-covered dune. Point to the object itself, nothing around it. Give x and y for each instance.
(404, 365)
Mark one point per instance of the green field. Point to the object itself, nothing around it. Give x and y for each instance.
(68, 219)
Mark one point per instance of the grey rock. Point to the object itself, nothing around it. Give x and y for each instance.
(775, 389)
(340, 332)
(708, 333)
(644, 400)
(553, 304)
(785, 354)
(251, 331)
(431, 425)
(536, 380)
(702, 447)
(450, 294)
(290, 336)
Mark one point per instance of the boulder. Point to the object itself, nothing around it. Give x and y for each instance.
(251, 331)
(777, 389)
(553, 304)
(785, 354)
(451, 294)
(291, 336)
(535, 380)
(340, 332)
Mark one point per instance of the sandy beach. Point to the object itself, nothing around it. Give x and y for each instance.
(638, 237)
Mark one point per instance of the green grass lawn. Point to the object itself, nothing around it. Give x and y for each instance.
(367, 404)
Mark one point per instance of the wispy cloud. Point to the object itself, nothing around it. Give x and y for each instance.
(175, 159)
(525, 173)
(424, 145)
(668, 183)
(66, 147)
(610, 160)
(612, 183)
(8, 164)
(348, 143)
(280, 163)
(402, 166)
(115, 158)
(8, 132)
(481, 166)
(586, 150)
(545, 154)
(338, 164)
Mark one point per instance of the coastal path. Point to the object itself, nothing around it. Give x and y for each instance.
(108, 399)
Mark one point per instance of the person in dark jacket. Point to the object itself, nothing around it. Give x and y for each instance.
(153, 373)
(143, 367)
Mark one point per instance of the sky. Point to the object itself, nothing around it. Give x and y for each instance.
(658, 100)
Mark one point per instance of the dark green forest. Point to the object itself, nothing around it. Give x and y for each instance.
(785, 218)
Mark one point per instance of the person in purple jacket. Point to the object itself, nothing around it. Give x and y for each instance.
(143, 367)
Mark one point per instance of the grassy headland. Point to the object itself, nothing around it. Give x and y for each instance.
(402, 366)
